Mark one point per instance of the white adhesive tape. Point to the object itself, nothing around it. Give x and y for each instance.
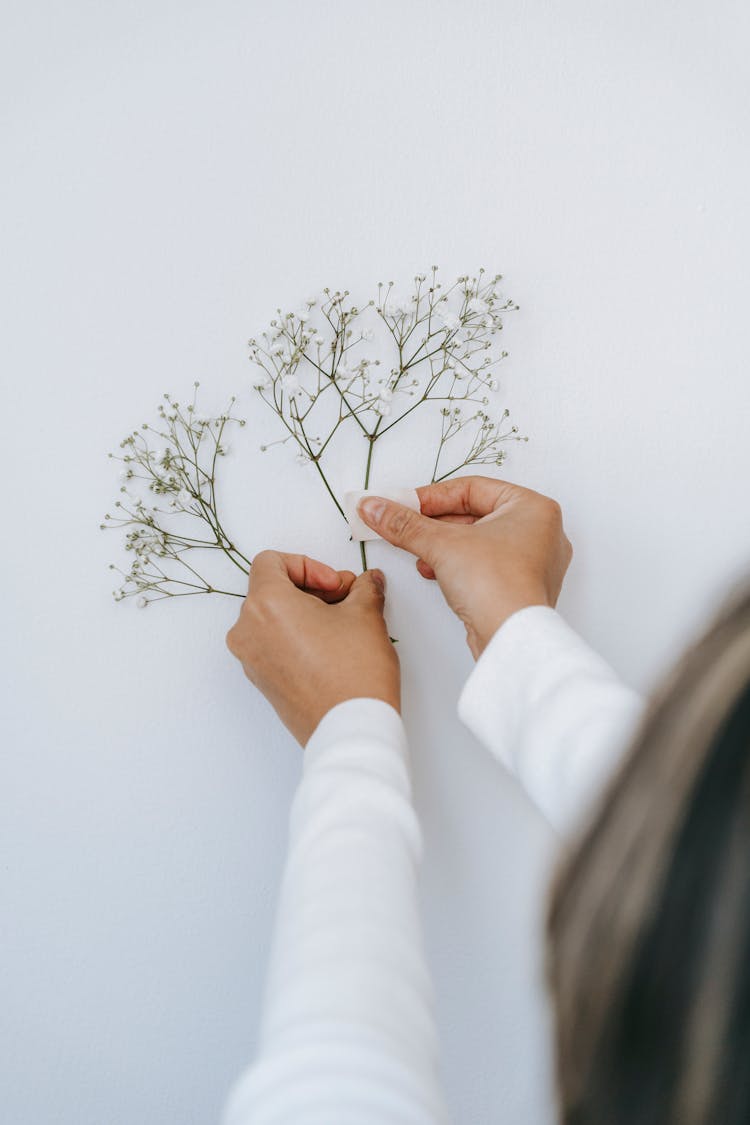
(360, 531)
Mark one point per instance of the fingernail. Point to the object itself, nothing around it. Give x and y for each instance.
(379, 579)
(371, 508)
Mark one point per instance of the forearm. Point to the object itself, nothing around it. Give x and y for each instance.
(552, 710)
(348, 1032)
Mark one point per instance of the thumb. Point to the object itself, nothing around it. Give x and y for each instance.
(368, 591)
(401, 526)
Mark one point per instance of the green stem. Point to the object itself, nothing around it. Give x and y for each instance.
(368, 466)
(316, 461)
(328, 487)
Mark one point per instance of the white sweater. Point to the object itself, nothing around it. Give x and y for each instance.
(348, 1033)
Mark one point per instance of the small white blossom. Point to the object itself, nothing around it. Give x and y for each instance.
(165, 472)
(444, 359)
(450, 321)
(477, 305)
(398, 304)
(291, 384)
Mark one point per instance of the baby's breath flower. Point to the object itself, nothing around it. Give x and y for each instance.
(169, 541)
(443, 336)
(292, 386)
(314, 369)
(450, 321)
(398, 304)
(477, 305)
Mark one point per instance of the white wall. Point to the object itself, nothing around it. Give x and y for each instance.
(176, 170)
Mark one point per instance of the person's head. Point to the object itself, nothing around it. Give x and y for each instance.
(649, 918)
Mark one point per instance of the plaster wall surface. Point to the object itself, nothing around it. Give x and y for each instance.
(173, 172)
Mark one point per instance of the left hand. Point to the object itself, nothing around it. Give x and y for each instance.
(309, 637)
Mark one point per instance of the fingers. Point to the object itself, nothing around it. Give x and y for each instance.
(308, 574)
(368, 591)
(346, 579)
(473, 496)
(456, 517)
(425, 570)
(401, 526)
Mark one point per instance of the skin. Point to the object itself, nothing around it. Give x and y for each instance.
(309, 636)
(492, 546)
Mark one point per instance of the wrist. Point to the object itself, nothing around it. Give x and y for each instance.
(323, 703)
(487, 623)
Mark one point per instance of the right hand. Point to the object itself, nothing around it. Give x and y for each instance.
(493, 547)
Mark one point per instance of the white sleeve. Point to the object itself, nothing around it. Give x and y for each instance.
(551, 710)
(348, 1032)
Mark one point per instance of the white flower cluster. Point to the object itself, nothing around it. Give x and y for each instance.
(168, 503)
(315, 372)
(318, 368)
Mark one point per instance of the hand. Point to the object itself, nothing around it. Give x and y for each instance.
(310, 637)
(493, 547)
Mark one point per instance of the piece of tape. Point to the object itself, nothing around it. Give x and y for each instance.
(359, 529)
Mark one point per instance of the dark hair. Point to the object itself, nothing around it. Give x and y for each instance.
(649, 921)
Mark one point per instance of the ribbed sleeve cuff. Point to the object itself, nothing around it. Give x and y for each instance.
(551, 710)
(495, 698)
(355, 719)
